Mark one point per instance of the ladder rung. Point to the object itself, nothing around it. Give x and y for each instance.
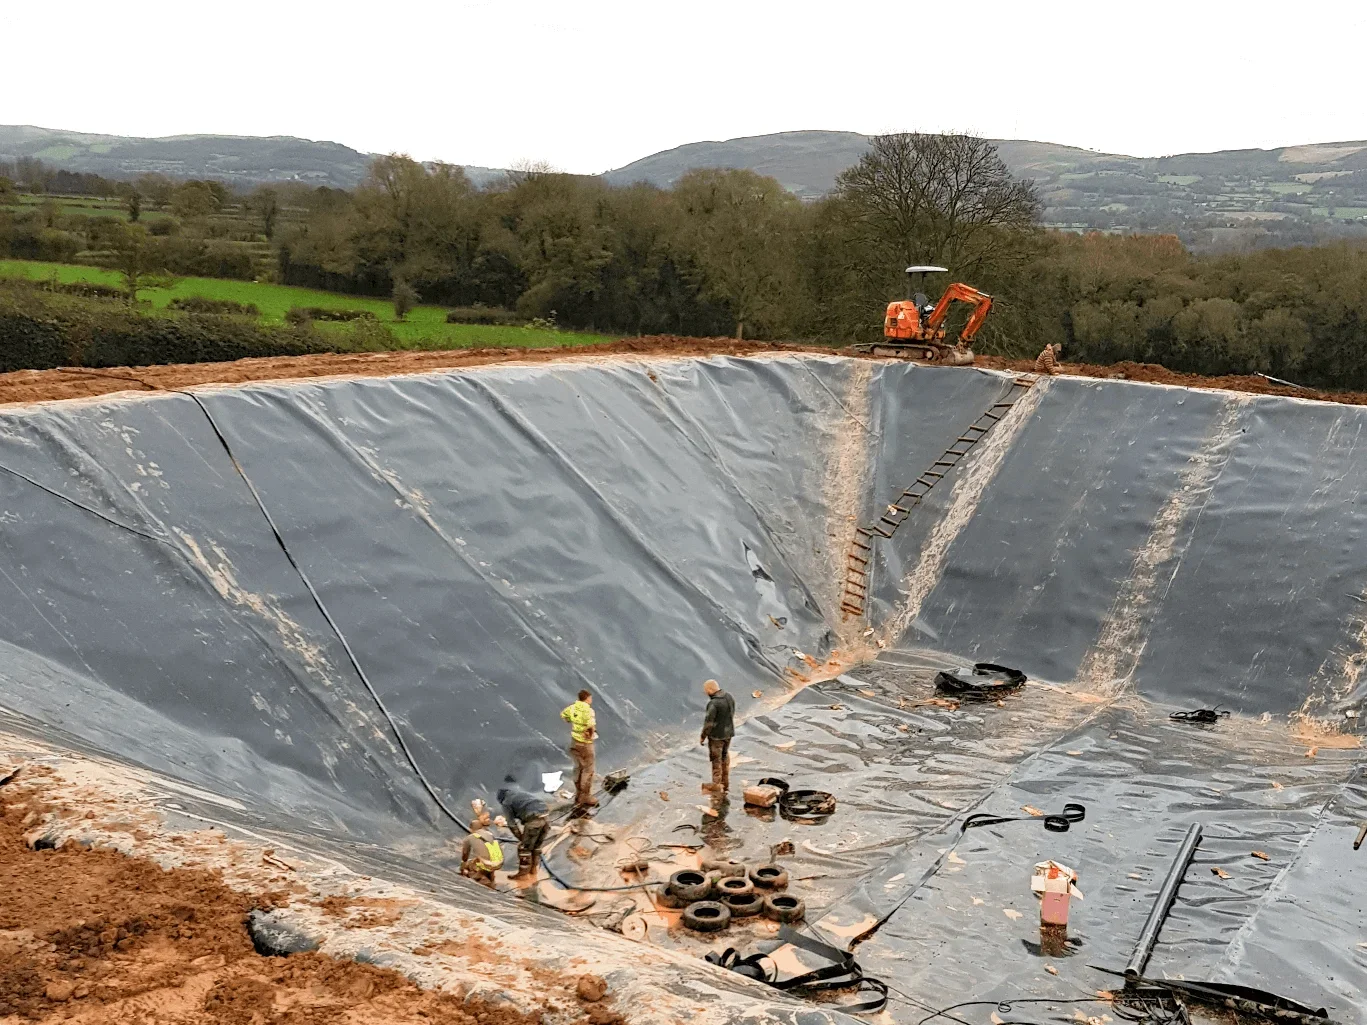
(857, 558)
(965, 441)
(893, 506)
(852, 610)
(880, 532)
(975, 427)
(930, 473)
(854, 587)
(942, 462)
(863, 530)
(1002, 405)
(992, 416)
(894, 524)
(860, 544)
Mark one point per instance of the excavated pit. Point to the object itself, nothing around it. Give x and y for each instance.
(331, 612)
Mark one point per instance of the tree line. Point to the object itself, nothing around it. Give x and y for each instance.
(731, 252)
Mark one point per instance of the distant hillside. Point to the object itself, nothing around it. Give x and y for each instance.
(1228, 199)
(1232, 198)
(245, 160)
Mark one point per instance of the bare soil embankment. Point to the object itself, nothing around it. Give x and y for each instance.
(23, 386)
(92, 935)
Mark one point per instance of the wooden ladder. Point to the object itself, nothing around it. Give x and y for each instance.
(859, 558)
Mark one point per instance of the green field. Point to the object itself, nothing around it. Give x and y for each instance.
(425, 328)
(84, 206)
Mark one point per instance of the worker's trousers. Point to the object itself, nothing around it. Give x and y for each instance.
(529, 844)
(582, 753)
(719, 751)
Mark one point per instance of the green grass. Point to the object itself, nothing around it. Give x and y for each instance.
(425, 328)
(86, 207)
(1179, 179)
(57, 153)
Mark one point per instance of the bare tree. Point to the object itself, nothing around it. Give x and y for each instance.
(947, 199)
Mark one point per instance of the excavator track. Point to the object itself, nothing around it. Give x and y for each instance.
(859, 556)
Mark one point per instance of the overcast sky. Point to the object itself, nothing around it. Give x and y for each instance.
(590, 86)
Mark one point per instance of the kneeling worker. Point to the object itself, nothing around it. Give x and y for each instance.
(526, 814)
(480, 854)
(1046, 362)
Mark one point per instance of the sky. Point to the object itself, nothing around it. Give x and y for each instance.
(589, 86)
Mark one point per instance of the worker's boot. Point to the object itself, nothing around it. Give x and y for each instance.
(526, 870)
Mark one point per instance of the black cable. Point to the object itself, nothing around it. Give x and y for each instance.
(1002, 1006)
(88, 508)
(327, 616)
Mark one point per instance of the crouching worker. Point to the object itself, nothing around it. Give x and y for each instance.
(526, 814)
(480, 854)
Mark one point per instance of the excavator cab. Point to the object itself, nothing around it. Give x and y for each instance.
(913, 328)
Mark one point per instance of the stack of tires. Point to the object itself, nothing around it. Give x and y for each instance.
(723, 891)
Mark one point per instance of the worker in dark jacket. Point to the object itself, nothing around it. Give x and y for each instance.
(718, 727)
(526, 815)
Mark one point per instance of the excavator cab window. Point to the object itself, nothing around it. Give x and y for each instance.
(923, 303)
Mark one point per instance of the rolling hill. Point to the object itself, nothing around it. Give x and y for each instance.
(245, 160)
(1232, 198)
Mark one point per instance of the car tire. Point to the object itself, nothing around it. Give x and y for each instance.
(730, 885)
(707, 916)
(782, 907)
(744, 905)
(769, 877)
(690, 885)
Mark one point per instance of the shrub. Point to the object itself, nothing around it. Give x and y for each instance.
(86, 289)
(405, 297)
(221, 307)
(42, 330)
(371, 336)
(304, 314)
(487, 315)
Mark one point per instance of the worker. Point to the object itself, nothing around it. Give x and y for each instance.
(1046, 362)
(583, 732)
(526, 814)
(718, 727)
(480, 854)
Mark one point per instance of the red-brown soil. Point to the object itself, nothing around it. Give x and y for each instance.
(42, 385)
(94, 936)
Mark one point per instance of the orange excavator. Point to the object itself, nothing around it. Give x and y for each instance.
(914, 328)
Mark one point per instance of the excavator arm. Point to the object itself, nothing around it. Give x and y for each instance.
(959, 292)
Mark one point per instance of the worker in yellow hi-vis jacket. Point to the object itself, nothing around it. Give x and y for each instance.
(480, 854)
(583, 732)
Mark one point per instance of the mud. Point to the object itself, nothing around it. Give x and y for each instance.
(1153, 373)
(92, 935)
(23, 386)
(43, 385)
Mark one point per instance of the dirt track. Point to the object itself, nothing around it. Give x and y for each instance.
(41, 385)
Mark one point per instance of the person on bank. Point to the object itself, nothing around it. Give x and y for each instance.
(480, 854)
(526, 814)
(718, 727)
(1047, 361)
(583, 732)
